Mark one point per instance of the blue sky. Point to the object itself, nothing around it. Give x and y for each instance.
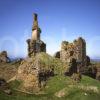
(59, 20)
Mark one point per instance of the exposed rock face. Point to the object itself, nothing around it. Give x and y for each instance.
(4, 57)
(76, 50)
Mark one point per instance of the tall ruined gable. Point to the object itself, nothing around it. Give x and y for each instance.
(76, 50)
(35, 44)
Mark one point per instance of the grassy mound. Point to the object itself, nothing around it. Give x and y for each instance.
(47, 62)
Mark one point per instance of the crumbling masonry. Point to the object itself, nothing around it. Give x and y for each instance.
(35, 44)
(76, 50)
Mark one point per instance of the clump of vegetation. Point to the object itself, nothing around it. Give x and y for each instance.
(48, 62)
(14, 84)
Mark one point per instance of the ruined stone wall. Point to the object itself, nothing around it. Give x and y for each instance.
(81, 50)
(4, 57)
(35, 47)
(76, 50)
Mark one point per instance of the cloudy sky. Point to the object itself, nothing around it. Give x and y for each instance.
(58, 19)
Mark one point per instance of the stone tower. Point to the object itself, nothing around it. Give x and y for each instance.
(76, 50)
(35, 29)
(81, 51)
(35, 44)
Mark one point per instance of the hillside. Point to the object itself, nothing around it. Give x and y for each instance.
(60, 88)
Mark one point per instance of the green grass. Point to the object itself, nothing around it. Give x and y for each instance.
(56, 84)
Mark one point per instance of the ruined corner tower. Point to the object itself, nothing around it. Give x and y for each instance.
(76, 50)
(35, 44)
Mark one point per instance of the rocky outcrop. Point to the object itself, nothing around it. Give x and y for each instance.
(4, 57)
(34, 72)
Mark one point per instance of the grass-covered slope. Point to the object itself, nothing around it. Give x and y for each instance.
(61, 88)
(58, 87)
(48, 62)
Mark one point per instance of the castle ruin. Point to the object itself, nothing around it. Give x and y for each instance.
(76, 50)
(35, 70)
(35, 44)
